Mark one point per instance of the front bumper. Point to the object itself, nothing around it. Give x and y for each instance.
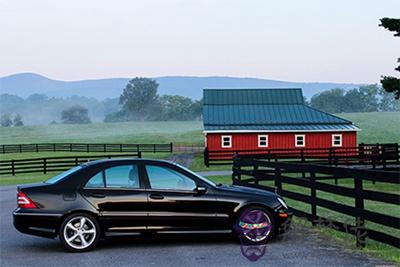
(284, 221)
(36, 223)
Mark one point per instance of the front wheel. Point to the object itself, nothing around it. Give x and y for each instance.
(254, 226)
(79, 232)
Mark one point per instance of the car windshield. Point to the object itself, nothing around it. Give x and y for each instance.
(195, 174)
(62, 175)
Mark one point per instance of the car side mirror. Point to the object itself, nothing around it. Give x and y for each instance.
(200, 190)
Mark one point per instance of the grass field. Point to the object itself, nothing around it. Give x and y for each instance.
(124, 132)
(377, 127)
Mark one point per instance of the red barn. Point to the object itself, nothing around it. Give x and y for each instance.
(265, 119)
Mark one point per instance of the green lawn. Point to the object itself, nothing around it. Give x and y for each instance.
(198, 165)
(124, 132)
(376, 127)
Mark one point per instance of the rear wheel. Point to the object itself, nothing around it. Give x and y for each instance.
(79, 232)
(254, 225)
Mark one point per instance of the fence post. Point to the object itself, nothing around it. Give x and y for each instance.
(20, 148)
(87, 148)
(206, 158)
(137, 147)
(54, 147)
(313, 199)
(171, 147)
(44, 166)
(104, 148)
(359, 205)
(37, 147)
(120, 147)
(278, 182)
(330, 156)
(76, 161)
(139, 154)
(154, 148)
(70, 147)
(303, 175)
(12, 167)
(255, 172)
(373, 162)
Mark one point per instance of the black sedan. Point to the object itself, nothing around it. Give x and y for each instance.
(125, 196)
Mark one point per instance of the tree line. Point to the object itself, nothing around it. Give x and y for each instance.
(140, 101)
(367, 98)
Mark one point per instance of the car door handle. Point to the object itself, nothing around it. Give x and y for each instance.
(156, 196)
(98, 195)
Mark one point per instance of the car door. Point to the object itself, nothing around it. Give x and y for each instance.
(175, 203)
(120, 197)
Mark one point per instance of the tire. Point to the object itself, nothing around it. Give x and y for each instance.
(254, 226)
(86, 236)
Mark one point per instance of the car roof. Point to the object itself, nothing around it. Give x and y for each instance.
(147, 160)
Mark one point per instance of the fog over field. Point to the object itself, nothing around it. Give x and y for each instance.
(376, 127)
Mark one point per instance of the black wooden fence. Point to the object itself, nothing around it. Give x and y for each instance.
(84, 147)
(52, 164)
(308, 176)
(364, 154)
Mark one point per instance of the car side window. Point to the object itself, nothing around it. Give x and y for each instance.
(166, 178)
(96, 181)
(125, 176)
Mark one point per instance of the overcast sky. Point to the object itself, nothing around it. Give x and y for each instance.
(308, 40)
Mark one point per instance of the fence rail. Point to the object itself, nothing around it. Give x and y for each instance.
(188, 148)
(85, 147)
(52, 164)
(364, 154)
(309, 176)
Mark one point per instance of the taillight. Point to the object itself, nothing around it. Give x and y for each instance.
(24, 201)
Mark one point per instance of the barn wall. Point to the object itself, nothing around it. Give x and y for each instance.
(249, 141)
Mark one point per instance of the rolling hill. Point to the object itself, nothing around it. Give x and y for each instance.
(24, 84)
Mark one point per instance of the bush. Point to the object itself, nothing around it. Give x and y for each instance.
(75, 114)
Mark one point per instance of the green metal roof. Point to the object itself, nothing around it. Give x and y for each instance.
(265, 109)
(252, 96)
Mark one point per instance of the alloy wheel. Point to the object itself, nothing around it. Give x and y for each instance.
(79, 232)
(255, 225)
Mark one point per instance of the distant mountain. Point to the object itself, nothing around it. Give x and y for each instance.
(24, 84)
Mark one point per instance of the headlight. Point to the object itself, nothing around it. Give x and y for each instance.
(282, 202)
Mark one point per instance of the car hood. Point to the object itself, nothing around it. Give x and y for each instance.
(246, 190)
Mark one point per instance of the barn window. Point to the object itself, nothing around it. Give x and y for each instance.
(300, 140)
(336, 140)
(226, 141)
(263, 141)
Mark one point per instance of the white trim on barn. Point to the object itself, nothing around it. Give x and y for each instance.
(279, 131)
(340, 140)
(223, 141)
(265, 141)
(302, 140)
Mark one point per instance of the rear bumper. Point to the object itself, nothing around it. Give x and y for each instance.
(38, 224)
